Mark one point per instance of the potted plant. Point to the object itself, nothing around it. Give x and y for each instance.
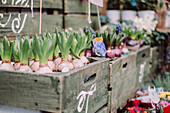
(113, 12)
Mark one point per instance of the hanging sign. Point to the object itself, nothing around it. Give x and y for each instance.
(97, 2)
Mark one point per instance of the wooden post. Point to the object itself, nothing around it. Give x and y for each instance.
(40, 16)
(104, 8)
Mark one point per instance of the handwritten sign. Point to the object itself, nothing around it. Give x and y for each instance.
(82, 98)
(97, 2)
(17, 23)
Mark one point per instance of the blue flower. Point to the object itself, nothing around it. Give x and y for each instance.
(118, 28)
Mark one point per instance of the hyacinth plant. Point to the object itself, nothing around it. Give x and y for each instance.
(34, 59)
(64, 42)
(6, 48)
(44, 46)
(24, 53)
(80, 44)
(108, 39)
(16, 54)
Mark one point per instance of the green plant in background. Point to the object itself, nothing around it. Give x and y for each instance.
(162, 81)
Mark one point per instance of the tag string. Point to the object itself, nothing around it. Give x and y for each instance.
(89, 13)
(40, 16)
(98, 14)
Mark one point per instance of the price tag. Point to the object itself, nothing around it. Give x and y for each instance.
(97, 2)
(98, 39)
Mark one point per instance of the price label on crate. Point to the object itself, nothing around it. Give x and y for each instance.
(97, 2)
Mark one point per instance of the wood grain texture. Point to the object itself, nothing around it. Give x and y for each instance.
(78, 6)
(56, 92)
(49, 22)
(57, 4)
(122, 71)
(80, 21)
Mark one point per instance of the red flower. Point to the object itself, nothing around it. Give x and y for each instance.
(167, 109)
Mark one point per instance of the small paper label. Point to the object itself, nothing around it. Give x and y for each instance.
(98, 39)
(99, 47)
(97, 2)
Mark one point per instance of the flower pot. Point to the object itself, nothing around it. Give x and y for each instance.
(128, 15)
(114, 16)
(147, 14)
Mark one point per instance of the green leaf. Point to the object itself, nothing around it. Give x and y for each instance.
(72, 52)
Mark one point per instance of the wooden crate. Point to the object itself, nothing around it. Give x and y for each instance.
(31, 25)
(122, 71)
(77, 6)
(103, 110)
(57, 92)
(80, 21)
(57, 4)
(155, 61)
(142, 66)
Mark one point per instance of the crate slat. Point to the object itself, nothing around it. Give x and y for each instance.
(31, 26)
(57, 4)
(77, 6)
(80, 21)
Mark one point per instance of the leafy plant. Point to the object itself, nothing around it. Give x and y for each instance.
(6, 48)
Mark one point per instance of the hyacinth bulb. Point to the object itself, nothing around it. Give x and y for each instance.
(110, 53)
(84, 60)
(77, 63)
(125, 50)
(118, 52)
(7, 66)
(45, 69)
(16, 65)
(35, 65)
(24, 68)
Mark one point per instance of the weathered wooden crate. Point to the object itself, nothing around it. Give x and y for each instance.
(122, 80)
(154, 61)
(80, 21)
(103, 110)
(78, 6)
(57, 4)
(57, 92)
(31, 24)
(142, 66)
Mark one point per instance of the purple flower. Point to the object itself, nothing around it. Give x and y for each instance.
(118, 28)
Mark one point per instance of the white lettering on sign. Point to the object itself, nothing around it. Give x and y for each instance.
(142, 67)
(16, 25)
(82, 98)
(97, 2)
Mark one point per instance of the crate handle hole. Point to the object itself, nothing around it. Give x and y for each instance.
(143, 55)
(89, 79)
(125, 65)
(157, 50)
(36, 103)
(35, 80)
